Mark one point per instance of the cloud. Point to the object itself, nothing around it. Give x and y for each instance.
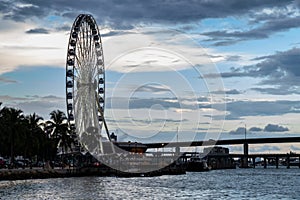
(63, 28)
(275, 128)
(21, 11)
(159, 120)
(265, 148)
(42, 105)
(280, 70)
(235, 148)
(18, 47)
(238, 131)
(166, 103)
(7, 80)
(275, 91)
(233, 91)
(265, 22)
(7, 98)
(233, 58)
(153, 88)
(231, 37)
(295, 148)
(139, 103)
(37, 31)
(124, 14)
(268, 128)
(238, 109)
(255, 129)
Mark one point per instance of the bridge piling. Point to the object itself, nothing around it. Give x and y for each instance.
(245, 157)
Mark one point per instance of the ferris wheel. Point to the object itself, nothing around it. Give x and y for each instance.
(85, 82)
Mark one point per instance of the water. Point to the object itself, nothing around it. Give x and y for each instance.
(220, 184)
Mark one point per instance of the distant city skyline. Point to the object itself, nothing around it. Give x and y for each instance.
(207, 67)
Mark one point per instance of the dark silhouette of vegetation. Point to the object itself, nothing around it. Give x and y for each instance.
(31, 137)
(60, 130)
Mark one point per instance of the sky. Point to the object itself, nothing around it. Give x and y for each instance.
(202, 69)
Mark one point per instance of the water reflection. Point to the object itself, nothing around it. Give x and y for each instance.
(221, 184)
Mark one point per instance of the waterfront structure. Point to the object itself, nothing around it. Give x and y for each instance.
(217, 158)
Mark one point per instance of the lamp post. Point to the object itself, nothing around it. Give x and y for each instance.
(245, 132)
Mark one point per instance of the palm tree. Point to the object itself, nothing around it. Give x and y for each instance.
(60, 130)
(34, 130)
(12, 122)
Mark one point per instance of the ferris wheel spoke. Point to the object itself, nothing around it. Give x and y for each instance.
(81, 39)
(87, 41)
(78, 61)
(80, 49)
(83, 44)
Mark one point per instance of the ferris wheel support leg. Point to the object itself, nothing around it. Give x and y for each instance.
(106, 128)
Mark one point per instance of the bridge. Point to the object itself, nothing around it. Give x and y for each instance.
(245, 143)
(224, 142)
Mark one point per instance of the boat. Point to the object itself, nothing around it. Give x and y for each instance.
(196, 164)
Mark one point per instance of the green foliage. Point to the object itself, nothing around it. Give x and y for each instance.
(29, 136)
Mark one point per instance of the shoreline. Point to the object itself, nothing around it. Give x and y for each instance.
(40, 173)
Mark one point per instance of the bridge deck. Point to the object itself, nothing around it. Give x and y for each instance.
(224, 142)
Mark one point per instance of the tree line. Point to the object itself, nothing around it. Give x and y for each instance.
(31, 136)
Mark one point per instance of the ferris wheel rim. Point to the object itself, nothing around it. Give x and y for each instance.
(84, 45)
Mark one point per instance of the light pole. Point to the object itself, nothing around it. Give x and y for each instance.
(245, 132)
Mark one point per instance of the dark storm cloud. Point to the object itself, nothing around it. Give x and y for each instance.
(255, 129)
(38, 31)
(22, 10)
(276, 14)
(124, 14)
(280, 70)
(268, 128)
(238, 131)
(275, 128)
(228, 37)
